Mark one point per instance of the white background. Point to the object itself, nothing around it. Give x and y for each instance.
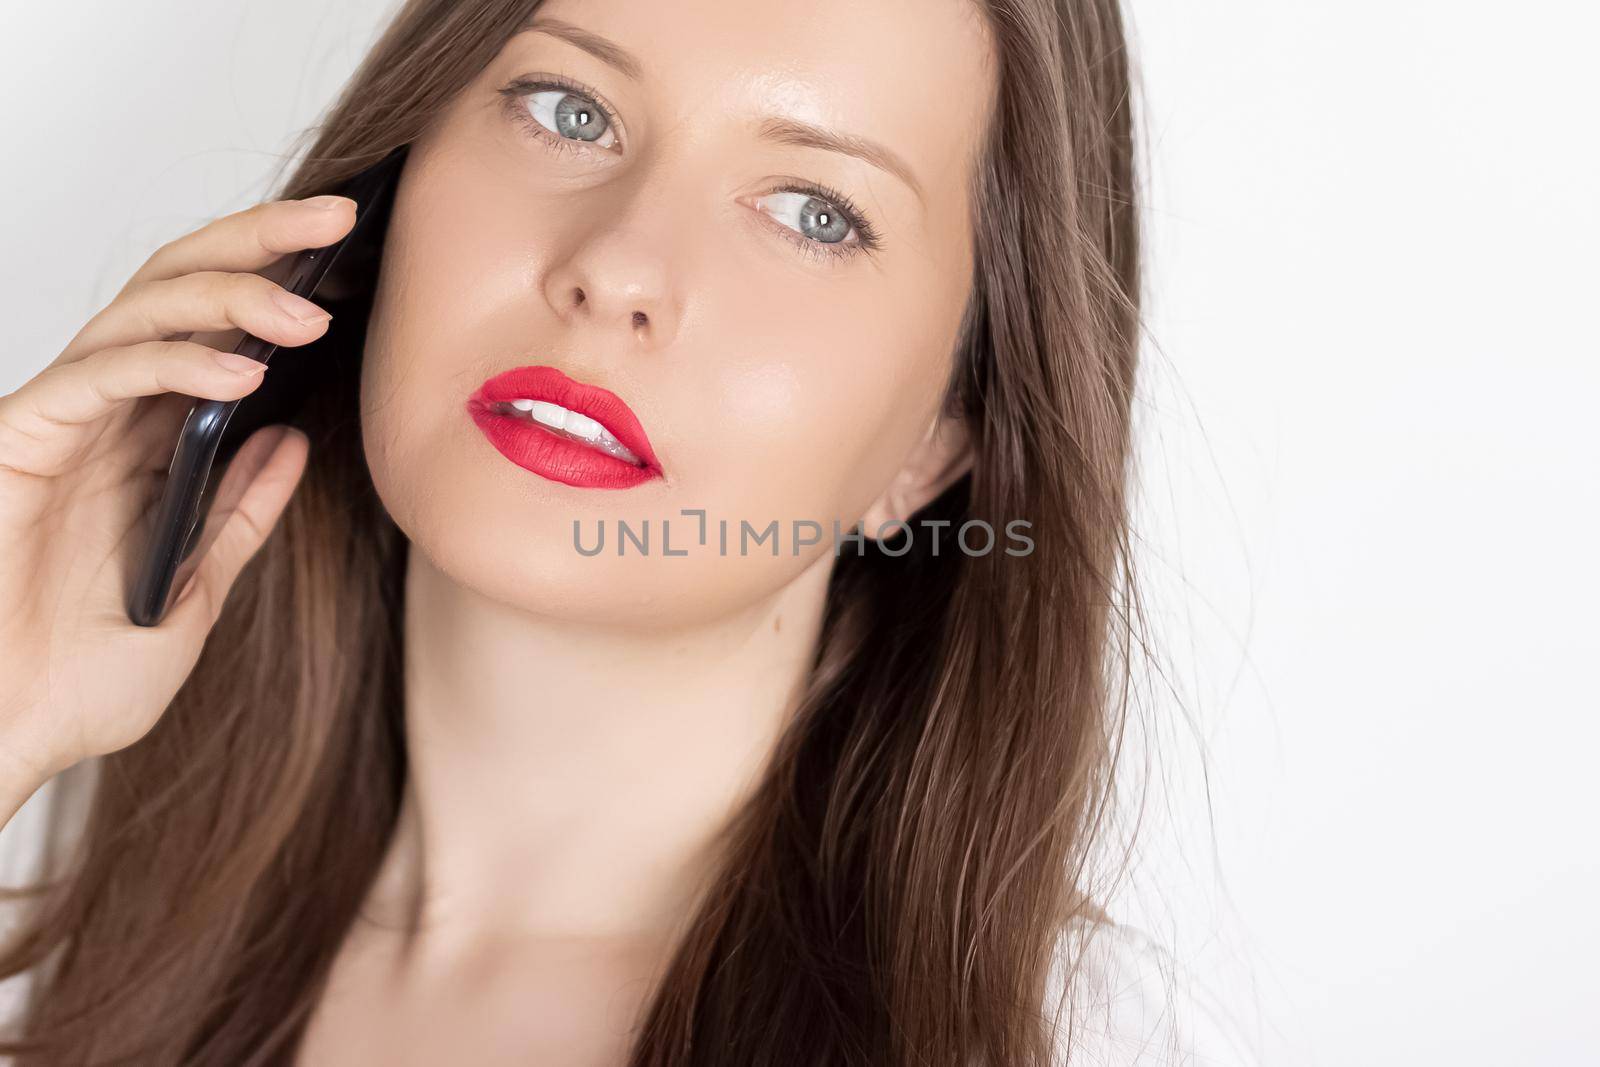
(1371, 502)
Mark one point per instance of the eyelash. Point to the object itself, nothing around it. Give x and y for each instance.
(521, 87)
(868, 239)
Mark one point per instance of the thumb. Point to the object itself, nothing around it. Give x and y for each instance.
(243, 532)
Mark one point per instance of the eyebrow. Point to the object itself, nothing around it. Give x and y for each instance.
(779, 130)
(789, 131)
(607, 52)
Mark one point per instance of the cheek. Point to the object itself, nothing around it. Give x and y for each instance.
(812, 416)
(448, 275)
(760, 395)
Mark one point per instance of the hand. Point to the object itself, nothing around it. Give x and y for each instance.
(84, 449)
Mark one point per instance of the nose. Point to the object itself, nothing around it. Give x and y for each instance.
(617, 283)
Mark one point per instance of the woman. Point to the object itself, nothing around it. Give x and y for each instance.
(407, 775)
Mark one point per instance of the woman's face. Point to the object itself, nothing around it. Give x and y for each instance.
(643, 196)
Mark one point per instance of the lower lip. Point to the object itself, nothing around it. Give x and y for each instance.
(546, 453)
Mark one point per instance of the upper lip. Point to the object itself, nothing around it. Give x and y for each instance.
(550, 384)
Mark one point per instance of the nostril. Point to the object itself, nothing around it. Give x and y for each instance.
(581, 297)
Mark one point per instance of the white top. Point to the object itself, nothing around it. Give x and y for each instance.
(1131, 1008)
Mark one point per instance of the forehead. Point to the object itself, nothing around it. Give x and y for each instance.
(913, 75)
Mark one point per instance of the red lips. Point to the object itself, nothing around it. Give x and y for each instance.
(548, 453)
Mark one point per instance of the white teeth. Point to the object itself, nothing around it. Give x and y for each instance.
(572, 424)
(553, 415)
(583, 426)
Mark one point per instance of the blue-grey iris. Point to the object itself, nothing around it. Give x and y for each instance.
(578, 118)
(821, 221)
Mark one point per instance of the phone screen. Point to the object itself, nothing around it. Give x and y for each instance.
(219, 451)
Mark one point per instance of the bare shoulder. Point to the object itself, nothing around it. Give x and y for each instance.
(1117, 998)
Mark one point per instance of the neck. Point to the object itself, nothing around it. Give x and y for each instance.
(572, 781)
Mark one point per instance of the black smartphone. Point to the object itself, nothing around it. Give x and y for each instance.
(215, 458)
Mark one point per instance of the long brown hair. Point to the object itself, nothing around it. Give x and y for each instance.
(897, 890)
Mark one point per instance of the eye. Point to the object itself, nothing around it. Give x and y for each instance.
(566, 112)
(567, 116)
(824, 221)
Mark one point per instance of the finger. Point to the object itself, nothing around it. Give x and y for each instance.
(252, 239)
(243, 242)
(45, 424)
(205, 300)
(243, 533)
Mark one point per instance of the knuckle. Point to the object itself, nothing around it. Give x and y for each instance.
(46, 377)
(13, 404)
(182, 352)
(264, 294)
(147, 311)
(244, 286)
(154, 263)
(93, 365)
(252, 529)
(215, 281)
(260, 216)
(143, 301)
(254, 286)
(178, 359)
(98, 364)
(135, 292)
(214, 293)
(166, 361)
(92, 370)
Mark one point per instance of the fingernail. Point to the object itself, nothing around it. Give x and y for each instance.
(327, 202)
(301, 310)
(240, 364)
